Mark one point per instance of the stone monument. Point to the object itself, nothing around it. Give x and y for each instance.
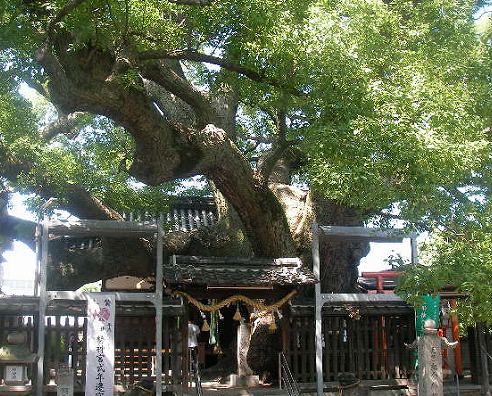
(429, 346)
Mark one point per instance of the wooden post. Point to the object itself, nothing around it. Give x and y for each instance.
(158, 311)
(43, 301)
(243, 339)
(455, 330)
(474, 354)
(318, 308)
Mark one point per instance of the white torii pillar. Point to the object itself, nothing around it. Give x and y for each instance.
(348, 232)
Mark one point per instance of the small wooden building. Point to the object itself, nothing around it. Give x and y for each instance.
(210, 285)
(218, 277)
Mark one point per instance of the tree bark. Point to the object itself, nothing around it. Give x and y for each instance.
(339, 259)
(167, 150)
(89, 79)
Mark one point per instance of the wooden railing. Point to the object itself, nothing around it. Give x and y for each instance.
(135, 352)
(371, 346)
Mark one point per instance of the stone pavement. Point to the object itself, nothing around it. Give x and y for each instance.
(466, 389)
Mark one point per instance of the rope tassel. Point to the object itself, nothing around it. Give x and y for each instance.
(205, 326)
(237, 316)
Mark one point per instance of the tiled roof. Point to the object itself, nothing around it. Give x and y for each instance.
(230, 271)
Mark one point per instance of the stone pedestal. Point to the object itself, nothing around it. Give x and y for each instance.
(249, 381)
(64, 381)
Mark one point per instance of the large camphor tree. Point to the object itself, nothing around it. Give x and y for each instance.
(291, 111)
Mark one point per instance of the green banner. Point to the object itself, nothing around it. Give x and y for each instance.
(430, 309)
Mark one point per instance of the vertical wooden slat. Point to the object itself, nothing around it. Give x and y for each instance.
(142, 324)
(130, 348)
(325, 327)
(391, 330)
(366, 328)
(296, 347)
(334, 346)
(303, 349)
(117, 348)
(356, 350)
(66, 339)
(382, 347)
(174, 351)
(375, 347)
(311, 350)
(30, 332)
(76, 345)
(57, 339)
(48, 352)
(342, 345)
(165, 353)
(181, 341)
(351, 344)
(397, 344)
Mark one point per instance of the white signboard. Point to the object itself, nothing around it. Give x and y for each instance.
(100, 345)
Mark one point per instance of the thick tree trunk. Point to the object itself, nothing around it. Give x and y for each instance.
(339, 259)
(83, 81)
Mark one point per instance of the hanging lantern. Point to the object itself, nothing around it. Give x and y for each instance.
(205, 326)
(237, 316)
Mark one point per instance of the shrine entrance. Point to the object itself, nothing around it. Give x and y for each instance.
(217, 343)
(229, 299)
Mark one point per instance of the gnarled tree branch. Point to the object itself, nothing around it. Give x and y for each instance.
(260, 77)
(64, 11)
(66, 125)
(269, 160)
(166, 77)
(80, 82)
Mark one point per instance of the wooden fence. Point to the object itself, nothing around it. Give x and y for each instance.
(135, 352)
(370, 346)
(477, 352)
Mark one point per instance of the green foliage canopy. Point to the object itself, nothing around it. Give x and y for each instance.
(387, 103)
(390, 110)
(459, 258)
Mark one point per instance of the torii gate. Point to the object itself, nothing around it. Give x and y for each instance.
(349, 233)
